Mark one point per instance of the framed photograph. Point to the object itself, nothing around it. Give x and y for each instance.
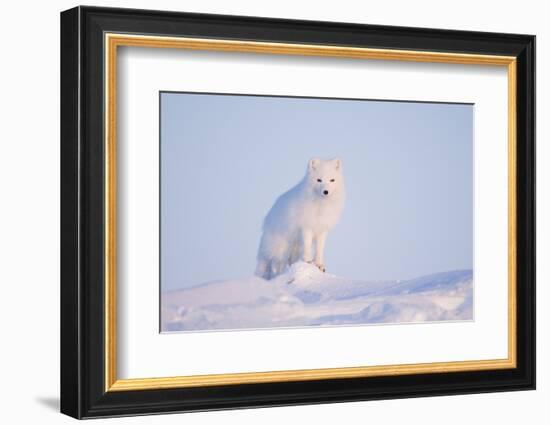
(261, 212)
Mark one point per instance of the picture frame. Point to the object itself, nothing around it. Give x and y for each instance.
(91, 38)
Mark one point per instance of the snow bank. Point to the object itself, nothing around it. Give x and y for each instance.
(304, 296)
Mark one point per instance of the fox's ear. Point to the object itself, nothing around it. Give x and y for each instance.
(314, 163)
(337, 163)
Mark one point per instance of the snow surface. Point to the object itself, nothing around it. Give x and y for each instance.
(305, 296)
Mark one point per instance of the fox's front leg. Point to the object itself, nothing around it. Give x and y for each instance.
(307, 241)
(320, 250)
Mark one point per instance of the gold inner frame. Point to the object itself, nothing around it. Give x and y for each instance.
(113, 41)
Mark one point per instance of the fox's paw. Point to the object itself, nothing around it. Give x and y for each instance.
(318, 265)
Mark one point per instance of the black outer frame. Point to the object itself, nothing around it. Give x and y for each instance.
(82, 220)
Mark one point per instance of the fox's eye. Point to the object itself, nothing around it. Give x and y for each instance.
(332, 180)
(319, 180)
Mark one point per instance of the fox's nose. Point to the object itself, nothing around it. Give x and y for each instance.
(325, 192)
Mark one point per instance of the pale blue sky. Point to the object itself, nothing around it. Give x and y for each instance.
(225, 159)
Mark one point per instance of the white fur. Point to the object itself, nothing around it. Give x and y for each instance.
(296, 226)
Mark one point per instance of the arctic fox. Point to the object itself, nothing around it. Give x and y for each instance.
(301, 218)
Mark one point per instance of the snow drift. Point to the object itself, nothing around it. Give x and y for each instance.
(304, 296)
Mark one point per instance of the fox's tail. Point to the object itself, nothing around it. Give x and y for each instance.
(273, 256)
(263, 269)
